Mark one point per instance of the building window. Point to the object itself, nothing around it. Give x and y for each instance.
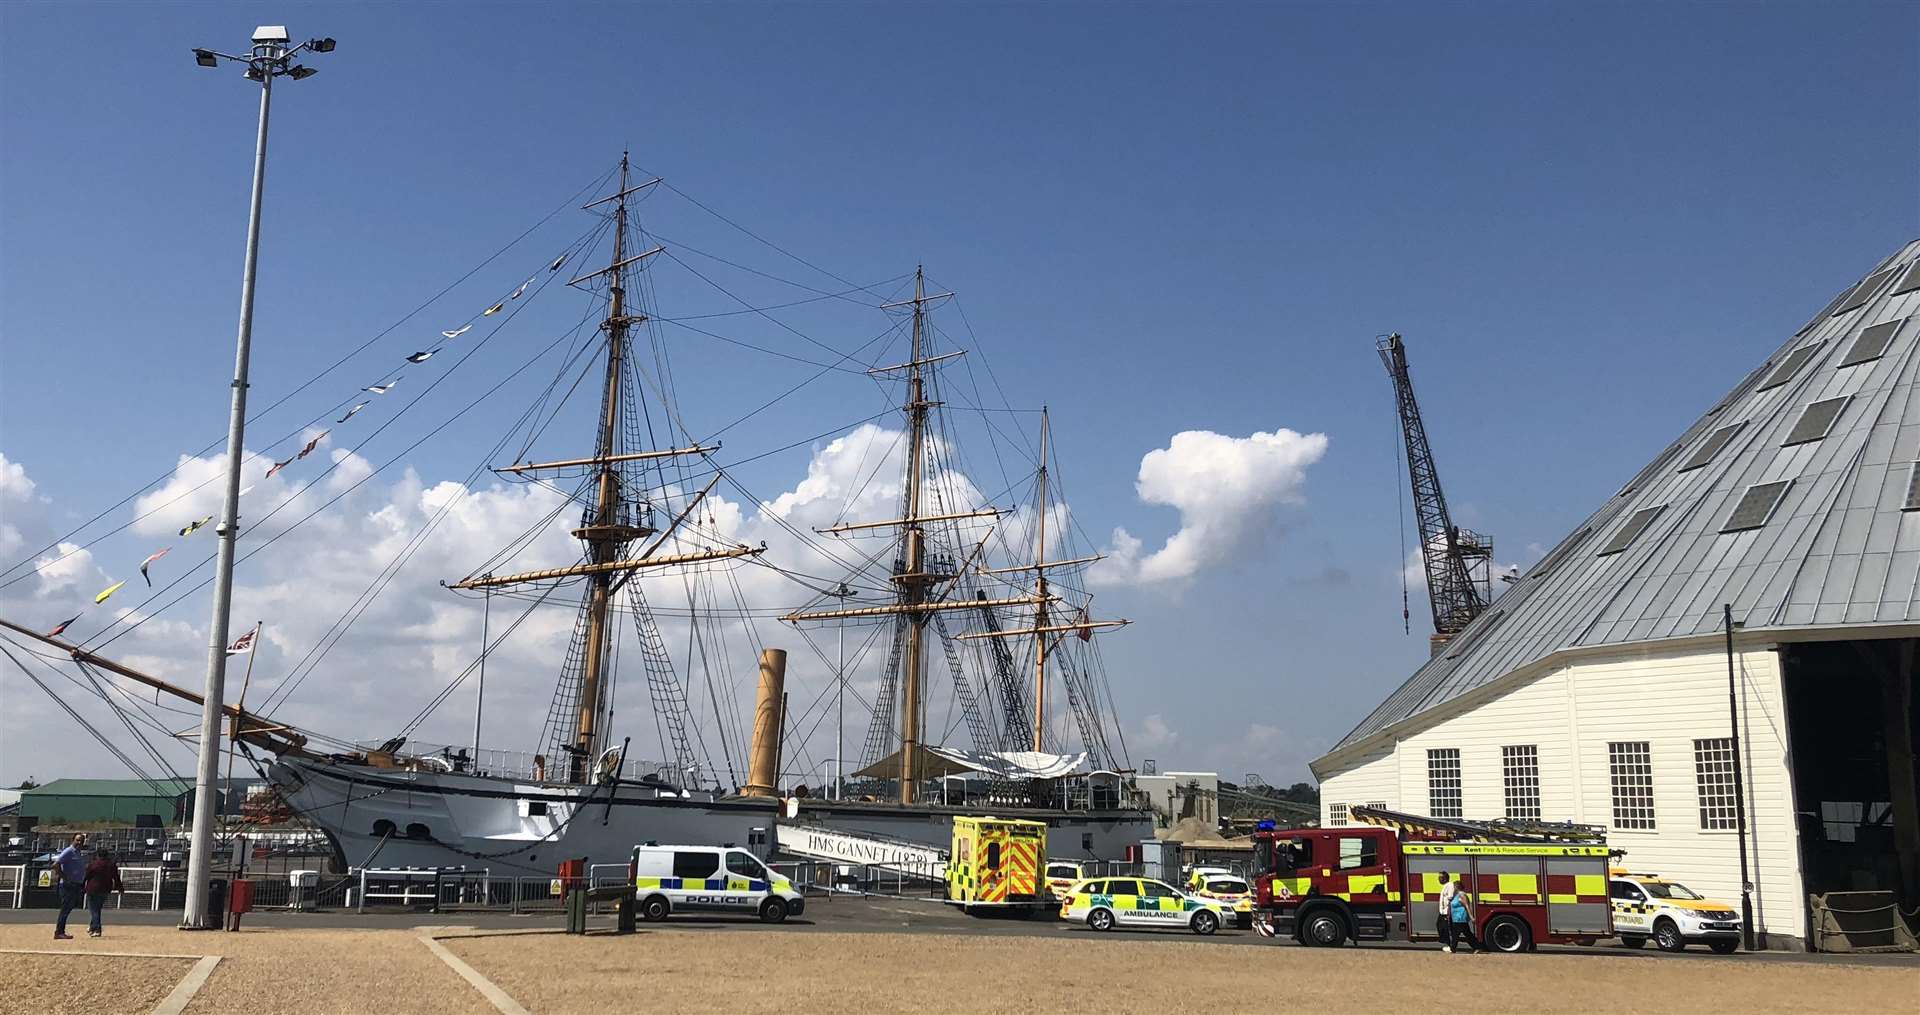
(1713, 778)
(1443, 782)
(1336, 815)
(1630, 767)
(1520, 772)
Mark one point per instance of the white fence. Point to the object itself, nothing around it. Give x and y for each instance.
(138, 881)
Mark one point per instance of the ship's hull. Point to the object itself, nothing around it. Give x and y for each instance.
(390, 818)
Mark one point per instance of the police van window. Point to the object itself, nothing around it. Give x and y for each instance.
(1622, 890)
(746, 865)
(1358, 851)
(701, 864)
(993, 856)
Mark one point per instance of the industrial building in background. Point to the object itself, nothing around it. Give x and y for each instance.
(1718, 665)
(1457, 563)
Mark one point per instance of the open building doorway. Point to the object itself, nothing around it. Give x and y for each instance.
(1853, 715)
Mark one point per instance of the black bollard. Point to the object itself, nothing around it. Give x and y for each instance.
(576, 912)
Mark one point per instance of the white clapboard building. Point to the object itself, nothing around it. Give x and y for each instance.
(1596, 688)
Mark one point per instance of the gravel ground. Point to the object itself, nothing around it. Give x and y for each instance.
(263, 972)
(805, 970)
(288, 971)
(85, 984)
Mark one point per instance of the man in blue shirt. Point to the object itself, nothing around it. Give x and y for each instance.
(70, 878)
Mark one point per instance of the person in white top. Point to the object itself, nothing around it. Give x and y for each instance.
(1448, 889)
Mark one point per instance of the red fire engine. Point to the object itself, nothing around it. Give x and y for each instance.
(1529, 883)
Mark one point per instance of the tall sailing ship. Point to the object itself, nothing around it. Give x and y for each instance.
(952, 583)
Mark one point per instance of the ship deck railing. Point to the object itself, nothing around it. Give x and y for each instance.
(497, 764)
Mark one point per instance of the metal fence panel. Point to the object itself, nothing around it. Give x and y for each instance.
(13, 886)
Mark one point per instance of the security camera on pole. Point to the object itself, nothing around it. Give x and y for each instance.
(272, 57)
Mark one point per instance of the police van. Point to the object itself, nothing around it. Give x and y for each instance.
(715, 879)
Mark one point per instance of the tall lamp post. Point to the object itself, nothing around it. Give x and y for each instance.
(272, 57)
(1739, 788)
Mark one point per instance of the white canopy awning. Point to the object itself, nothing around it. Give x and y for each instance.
(934, 762)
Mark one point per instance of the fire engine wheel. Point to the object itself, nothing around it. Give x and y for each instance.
(1100, 919)
(773, 911)
(1324, 929)
(1667, 935)
(1508, 934)
(654, 909)
(1205, 923)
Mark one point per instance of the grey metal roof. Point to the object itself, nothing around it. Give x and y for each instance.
(1836, 550)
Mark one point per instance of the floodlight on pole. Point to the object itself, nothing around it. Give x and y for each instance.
(271, 58)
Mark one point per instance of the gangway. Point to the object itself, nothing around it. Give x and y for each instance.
(897, 856)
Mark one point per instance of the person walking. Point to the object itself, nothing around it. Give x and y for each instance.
(1444, 916)
(103, 877)
(69, 880)
(1462, 912)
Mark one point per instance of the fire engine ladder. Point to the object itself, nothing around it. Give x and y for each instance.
(1497, 830)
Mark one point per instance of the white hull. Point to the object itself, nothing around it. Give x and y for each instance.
(391, 818)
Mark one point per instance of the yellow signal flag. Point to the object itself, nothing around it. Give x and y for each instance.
(111, 589)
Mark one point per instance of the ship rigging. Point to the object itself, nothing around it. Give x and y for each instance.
(957, 575)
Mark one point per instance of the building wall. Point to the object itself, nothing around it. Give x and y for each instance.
(1667, 698)
(58, 808)
(1168, 790)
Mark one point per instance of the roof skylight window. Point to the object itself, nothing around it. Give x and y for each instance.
(1711, 447)
(1756, 506)
(1910, 281)
(1631, 531)
(1816, 421)
(1863, 292)
(1791, 365)
(1872, 343)
(1912, 502)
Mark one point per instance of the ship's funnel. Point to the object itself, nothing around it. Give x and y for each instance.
(763, 768)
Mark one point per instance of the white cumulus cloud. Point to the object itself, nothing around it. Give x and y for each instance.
(1226, 490)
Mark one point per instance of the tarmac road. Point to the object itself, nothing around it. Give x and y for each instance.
(878, 914)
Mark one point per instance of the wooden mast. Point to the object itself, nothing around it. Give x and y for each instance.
(913, 581)
(603, 536)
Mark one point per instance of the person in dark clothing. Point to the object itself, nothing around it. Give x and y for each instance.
(69, 874)
(103, 877)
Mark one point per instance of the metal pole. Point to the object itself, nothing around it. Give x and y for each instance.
(1739, 789)
(480, 692)
(840, 714)
(200, 855)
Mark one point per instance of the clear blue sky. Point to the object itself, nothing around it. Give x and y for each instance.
(1588, 220)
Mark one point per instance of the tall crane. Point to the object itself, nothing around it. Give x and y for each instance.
(1458, 562)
